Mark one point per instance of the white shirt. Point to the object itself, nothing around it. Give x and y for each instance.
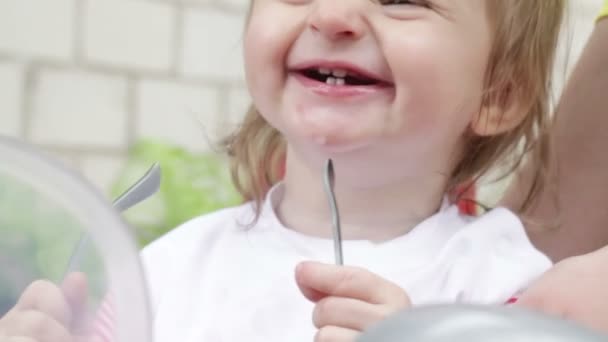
(217, 279)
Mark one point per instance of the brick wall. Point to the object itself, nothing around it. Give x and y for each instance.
(83, 79)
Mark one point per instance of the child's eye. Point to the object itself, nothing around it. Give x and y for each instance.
(404, 2)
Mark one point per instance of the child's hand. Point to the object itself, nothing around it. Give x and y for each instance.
(348, 300)
(47, 313)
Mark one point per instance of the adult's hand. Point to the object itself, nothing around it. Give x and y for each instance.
(48, 313)
(575, 289)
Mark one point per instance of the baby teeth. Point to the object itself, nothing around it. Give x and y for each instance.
(335, 81)
(339, 73)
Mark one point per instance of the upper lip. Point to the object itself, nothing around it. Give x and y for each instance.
(341, 65)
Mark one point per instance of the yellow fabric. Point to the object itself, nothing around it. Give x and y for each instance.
(604, 11)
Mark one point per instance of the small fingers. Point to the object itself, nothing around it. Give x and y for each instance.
(349, 313)
(37, 326)
(318, 280)
(336, 334)
(47, 298)
(17, 339)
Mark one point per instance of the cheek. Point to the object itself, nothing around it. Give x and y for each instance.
(262, 66)
(439, 83)
(258, 61)
(255, 59)
(267, 41)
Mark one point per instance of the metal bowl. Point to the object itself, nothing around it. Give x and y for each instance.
(477, 324)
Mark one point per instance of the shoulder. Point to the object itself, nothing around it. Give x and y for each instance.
(497, 225)
(203, 228)
(492, 257)
(499, 233)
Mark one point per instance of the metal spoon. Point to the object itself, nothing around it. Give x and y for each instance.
(329, 184)
(145, 187)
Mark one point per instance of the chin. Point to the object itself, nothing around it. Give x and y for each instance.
(337, 148)
(315, 152)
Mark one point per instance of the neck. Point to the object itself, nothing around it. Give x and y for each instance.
(376, 211)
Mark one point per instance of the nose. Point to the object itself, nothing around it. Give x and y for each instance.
(338, 19)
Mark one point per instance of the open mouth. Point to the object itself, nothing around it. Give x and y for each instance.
(339, 77)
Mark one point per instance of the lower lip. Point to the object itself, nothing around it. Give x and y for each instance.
(339, 91)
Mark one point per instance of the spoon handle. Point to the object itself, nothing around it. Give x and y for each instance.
(329, 184)
(145, 187)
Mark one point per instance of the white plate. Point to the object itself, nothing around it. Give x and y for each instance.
(44, 209)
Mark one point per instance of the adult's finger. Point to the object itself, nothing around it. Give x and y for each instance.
(17, 339)
(76, 290)
(573, 289)
(47, 298)
(38, 326)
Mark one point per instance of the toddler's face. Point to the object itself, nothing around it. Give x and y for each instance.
(346, 75)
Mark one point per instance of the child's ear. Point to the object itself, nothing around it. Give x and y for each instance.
(500, 114)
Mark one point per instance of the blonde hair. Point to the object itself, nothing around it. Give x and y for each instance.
(520, 67)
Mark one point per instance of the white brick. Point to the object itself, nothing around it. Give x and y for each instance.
(232, 4)
(131, 33)
(79, 108)
(37, 28)
(238, 4)
(579, 24)
(11, 85)
(179, 114)
(102, 171)
(195, 2)
(213, 45)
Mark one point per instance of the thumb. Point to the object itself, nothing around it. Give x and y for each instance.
(307, 283)
(75, 288)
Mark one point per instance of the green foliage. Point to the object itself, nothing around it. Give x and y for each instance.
(192, 184)
(38, 235)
